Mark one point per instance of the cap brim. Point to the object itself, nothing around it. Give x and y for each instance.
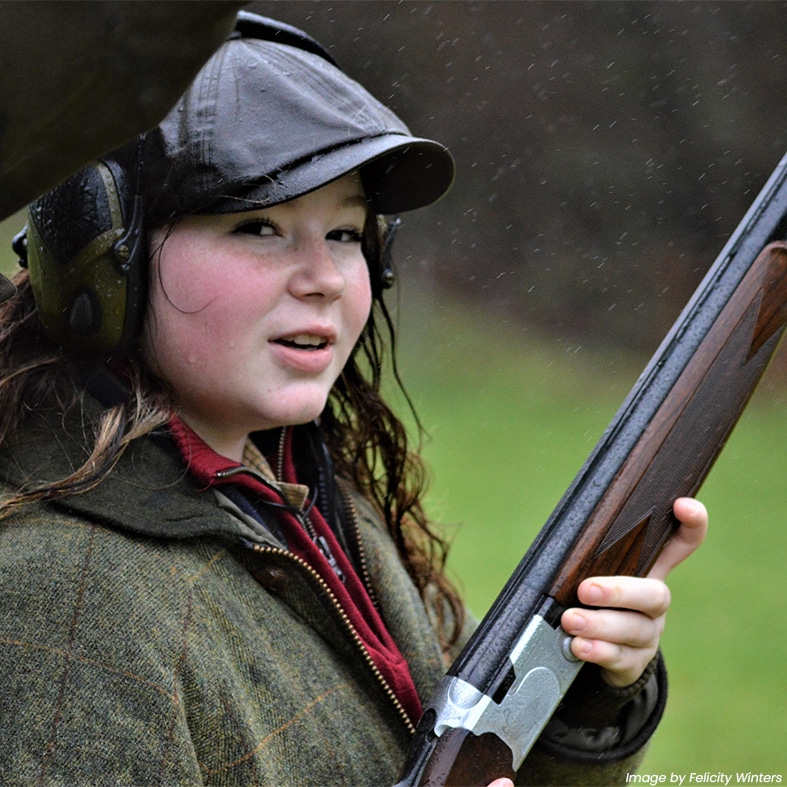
(399, 173)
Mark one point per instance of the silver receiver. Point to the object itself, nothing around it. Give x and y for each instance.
(543, 668)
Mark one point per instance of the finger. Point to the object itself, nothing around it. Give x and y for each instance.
(693, 518)
(630, 629)
(620, 665)
(501, 783)
(641, 594)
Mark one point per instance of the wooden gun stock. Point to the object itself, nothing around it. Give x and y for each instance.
(632, 522)
(462, 759)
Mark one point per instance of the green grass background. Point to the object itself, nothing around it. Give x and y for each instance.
(512, 417)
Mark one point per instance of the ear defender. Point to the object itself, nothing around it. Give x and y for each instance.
(387, 275)
(377, 244)
(87, 258)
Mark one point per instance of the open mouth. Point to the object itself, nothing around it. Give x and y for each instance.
(304, 341)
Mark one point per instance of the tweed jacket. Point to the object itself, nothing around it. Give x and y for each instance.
(151, 635)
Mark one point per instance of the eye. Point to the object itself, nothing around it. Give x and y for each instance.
(345, 235)
(260, 227)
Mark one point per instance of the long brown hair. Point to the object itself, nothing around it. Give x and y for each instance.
(369, 444)
(36, 377)
(371, 447)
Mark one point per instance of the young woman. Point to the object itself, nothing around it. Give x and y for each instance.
(214, 562)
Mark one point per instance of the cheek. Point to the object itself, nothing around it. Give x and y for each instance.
(176, 334)
(192, 353)
(360, 301)
(186, 317)
(187, 290)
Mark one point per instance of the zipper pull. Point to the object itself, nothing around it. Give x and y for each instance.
(322, 545)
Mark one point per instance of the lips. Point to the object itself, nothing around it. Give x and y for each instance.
(307, 351)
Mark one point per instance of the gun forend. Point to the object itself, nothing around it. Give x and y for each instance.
(687, 433)
(468, 737)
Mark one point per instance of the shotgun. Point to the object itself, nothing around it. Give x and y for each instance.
(616, 516)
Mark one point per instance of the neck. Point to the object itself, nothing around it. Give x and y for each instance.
(229, 445)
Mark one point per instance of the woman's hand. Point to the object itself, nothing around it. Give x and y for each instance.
(621, 634)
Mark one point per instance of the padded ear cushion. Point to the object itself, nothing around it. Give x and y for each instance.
(88, 260)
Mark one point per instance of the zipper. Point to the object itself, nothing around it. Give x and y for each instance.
(240, 470)
(303, 517)
(280, 453)
(352, 517)
(326, 590)
(319, 541)
(322, 544)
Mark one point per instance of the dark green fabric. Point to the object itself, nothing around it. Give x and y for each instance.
(137, 647)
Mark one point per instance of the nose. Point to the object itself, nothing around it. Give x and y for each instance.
(317, 273)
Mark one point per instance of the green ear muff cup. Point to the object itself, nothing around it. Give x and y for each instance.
(87, 261)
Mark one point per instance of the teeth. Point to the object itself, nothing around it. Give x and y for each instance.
(307, 340)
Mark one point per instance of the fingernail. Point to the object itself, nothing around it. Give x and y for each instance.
(577, 622)
(691, 505)
(594, 594)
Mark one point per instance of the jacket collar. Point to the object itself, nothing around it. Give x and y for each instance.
(212, 469)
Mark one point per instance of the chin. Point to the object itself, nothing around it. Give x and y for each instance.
(285, 406)
(301, 415)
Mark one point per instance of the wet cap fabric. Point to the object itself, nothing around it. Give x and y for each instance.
(265, 122)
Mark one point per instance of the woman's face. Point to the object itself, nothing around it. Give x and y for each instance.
(253, 315)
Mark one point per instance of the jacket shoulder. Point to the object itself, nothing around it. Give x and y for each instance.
(57, 568)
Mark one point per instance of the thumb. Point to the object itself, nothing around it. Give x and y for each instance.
(693, 518)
